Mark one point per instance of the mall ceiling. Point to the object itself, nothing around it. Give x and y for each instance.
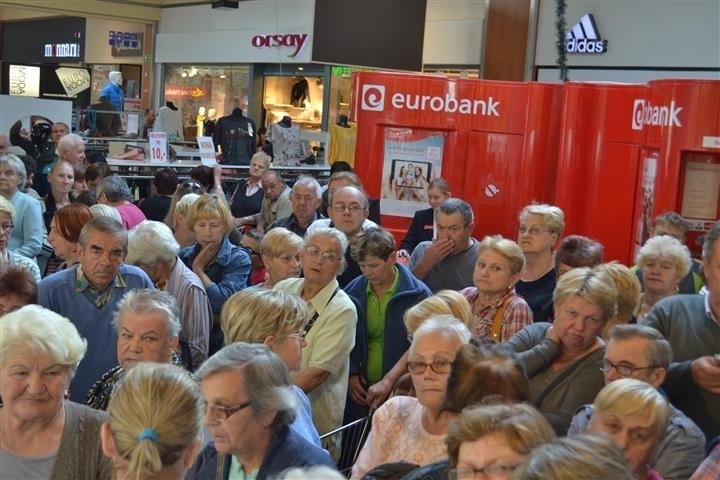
(131, 10)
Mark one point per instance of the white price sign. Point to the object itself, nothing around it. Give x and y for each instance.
(158, 146)
(207, 151)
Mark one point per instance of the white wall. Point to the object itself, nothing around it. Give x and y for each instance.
(640, 33)
(13, 109)
(202, 34)
(454, 32)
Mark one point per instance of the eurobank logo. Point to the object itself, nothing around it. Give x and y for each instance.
(373, 100)
(645, 113)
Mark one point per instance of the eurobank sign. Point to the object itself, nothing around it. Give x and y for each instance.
(376, 98)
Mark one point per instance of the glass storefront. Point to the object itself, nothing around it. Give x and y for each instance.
(299, 97)
(205, 92)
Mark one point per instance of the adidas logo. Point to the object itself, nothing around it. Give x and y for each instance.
(584, 37)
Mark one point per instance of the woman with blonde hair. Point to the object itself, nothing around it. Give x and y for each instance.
(498, 312)
(155, 425)
(664, 262)
(7, 257)
(628, 298)
(561, 359)
(280, 252)
(276, 319)
(223, 268)
(635, 414)
(571, 458)
(185, 195)
(541, 226)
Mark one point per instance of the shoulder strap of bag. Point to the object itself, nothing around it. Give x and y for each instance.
(497, 323)
(317, 314)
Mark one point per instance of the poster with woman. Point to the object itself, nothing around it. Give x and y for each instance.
(412, 158)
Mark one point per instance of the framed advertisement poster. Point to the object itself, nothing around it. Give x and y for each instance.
(412, 159)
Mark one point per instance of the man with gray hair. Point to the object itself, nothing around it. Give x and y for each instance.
(448, 261)
(691, 323)
(114, 191)
(641, 352)
(152, 247)
(147, 325)
(305, 198)
(88, 294)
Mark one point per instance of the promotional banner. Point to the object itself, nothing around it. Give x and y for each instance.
(24, 81)
(73, 80)
(158, 146)
(207, 151)
(412, 159)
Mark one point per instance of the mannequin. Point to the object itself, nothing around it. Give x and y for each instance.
(169, 121)
(235, 135)
(299, 92)
(210, 124)
(288, 147)
(113, 91)
(200, 121)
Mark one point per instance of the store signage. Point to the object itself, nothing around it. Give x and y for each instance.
(584, 37)
(125, 44)
(645, 113)
(373, 99)
(289, 40)
(158, 146)
(73, 80)
(24, 81)
(62, 50)
(184, 92)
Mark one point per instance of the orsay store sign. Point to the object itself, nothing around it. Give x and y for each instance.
(290, 42)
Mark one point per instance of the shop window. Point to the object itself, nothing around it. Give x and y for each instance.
(205, 92)
(298, 97)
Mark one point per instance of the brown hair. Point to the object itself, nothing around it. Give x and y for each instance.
(482, 373)
(70, 220)
(19, 282)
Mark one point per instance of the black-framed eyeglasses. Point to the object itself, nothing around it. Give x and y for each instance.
(223, 413)
(437, 366)
(491, 471)
(623, 370)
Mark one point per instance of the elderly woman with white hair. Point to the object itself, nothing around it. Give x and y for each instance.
(413, 429)
(250, 404)
(42, 435)
(147, 326)
(664, 262)
(330, 333)
(152, 247)
(71, 148)
(27, 232)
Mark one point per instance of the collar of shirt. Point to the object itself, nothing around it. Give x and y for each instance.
(322, 298)
(708, 310)
(82, 283)
(237, 471)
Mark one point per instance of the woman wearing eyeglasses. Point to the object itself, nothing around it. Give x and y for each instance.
(330, 333)
(250, 404)
(540, 228)
(8, 258)
(562, 359)
(276, 319)
(413, 429)
(490, 441)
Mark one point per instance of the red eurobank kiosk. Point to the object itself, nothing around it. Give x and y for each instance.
(494, 142)
(599, 163)
(682, 123)
(612, 156)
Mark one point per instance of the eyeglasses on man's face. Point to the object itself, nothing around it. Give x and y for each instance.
(222, 412)
(328, 255)
(353, 208)
(496, 470)
(622, 369)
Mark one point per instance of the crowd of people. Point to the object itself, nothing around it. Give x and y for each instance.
(201, 333)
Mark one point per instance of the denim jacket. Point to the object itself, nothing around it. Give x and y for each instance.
(229, 271)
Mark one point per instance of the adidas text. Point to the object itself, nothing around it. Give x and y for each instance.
(574, 45)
